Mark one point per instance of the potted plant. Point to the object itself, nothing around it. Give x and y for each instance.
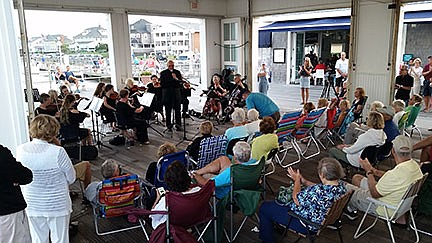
(145, 77)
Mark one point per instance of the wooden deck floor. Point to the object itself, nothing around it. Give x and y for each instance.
(136, 160)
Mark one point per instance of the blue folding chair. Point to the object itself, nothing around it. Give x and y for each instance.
(167, 160)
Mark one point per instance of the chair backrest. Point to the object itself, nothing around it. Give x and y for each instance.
(167, 160)
(371, 153)
(232, 142)
(309, 122)
(412, 117)
(116, 196)
(246, 176)
(403, 120)
(211, 148)
(336, 210)
(349, 118)
(191, 209)
(69, 132)
(287, 125)
(408, 198)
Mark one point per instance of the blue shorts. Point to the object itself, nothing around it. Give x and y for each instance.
(305, 82)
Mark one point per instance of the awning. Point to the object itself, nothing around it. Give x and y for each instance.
(332, 23)
(418, 17)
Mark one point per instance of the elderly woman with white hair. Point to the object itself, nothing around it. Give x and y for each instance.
(253, 118)
(221, 167)
(238, 130)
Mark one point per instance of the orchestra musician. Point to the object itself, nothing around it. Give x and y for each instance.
(70, 119)
(128, 112)
(215, 95)
(54, 100)
(108, 107)
(171, 84)
(239, 88)
(155, 88)
(100, 90)
(44, 107)
(63, 92)
(134, 91)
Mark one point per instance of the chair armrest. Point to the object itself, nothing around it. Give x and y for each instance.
(380, 203)
(145, 212)
(195, 163)
(305, 221)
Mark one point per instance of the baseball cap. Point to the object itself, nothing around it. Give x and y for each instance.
(402, 144)
(386, 110)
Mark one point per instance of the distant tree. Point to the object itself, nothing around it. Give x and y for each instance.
(65, 48)
(101, 47)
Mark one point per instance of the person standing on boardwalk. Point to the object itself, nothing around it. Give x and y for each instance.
(263, 84)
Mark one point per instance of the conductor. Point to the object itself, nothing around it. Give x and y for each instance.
(171, 84)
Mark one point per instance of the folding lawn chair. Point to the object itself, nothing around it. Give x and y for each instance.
(116, 197)
(210, 149)
(167, 160)
(284, 132)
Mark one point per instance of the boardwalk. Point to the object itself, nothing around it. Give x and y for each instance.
(136, 160)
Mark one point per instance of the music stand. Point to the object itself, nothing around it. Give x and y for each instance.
(328, 84)
(94, 106)
(146, 100)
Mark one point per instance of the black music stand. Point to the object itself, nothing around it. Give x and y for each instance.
(94, 107)
(328, 84)
(146, 100)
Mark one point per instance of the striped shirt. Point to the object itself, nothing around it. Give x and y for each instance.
(48, 194)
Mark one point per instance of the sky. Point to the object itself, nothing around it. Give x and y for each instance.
(72, 23)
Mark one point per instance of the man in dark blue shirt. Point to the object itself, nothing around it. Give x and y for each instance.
(70, 76)
(390, 129)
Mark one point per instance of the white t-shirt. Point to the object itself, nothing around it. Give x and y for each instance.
(158, 219)
(342, 65)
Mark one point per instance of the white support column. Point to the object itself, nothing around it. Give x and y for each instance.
(119, 51)
(255, 57)
(210, 54)
(13, 130)
(371, 61)
(293, 56)
(288, 58)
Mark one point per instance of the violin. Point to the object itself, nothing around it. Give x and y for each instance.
(114, 95)
(156, 84)
(137, 88)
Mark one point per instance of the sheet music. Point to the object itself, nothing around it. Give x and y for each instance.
(96, 104)
(146, 99)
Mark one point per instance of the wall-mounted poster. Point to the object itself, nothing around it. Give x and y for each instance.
(279, 55)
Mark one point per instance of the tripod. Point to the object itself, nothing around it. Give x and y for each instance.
(328, 84)
(96, 133)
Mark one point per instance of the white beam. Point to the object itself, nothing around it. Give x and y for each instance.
(13, 130)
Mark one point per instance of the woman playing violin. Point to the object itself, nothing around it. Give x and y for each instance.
(134, 91)
(70, 119)
(154, 87)
(109, 105)
(55, 102)
(127, 117)
(45, 103)
(100, 90)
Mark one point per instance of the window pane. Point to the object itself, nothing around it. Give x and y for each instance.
(233, 31)
(226, 32)
(227, 55)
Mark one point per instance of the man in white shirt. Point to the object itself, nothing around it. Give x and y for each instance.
(341, 71)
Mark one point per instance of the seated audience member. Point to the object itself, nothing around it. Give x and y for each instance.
(307, 108)
(238, 130)
(374, 136)
(415, 99)
(221, 168)
(392, 184)
(206, 129)
(44, 107)
(399, 107)
(390, 129)
(311, 202)
(13, 219)
(359, 102)
(355, 129)
(254, 122)
(322, 121)
(60, 78)
(127, 112)
(177, 179)
(263, 144)
(165, 149)
(70, 120)
(109, 169)
(426, 155)
(339, 117)
(262, 103)
(48, 202)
